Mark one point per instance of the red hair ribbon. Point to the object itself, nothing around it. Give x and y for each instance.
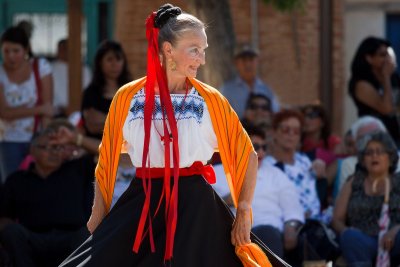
(156, 76)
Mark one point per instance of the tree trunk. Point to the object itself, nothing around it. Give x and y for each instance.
(221, 39)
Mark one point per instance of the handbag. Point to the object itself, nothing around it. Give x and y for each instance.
(320, 242)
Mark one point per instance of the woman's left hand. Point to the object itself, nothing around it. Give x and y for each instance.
(389, 238)
(240, 234)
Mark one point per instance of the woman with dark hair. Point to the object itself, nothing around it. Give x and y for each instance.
(26, 92)
(171, 124)
(318, 140)
(110, 73)
(358, 206)
(258, 110)
(371, 85)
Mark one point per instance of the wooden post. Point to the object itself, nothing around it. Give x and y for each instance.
(74, 55)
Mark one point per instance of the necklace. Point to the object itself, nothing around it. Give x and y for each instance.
(162, 137)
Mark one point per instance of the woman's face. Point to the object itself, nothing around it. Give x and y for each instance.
(287, 135)
(378, 59)
(376, 159)
(258, 111)
(13, 54)
(312, 121)
(260, 146)
(189, 53)
(112, 65)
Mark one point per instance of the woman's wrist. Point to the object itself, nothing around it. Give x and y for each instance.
(244, 206)
(79, 139)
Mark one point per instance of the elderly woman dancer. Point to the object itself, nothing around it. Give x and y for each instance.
(170, 125)
(358, 206)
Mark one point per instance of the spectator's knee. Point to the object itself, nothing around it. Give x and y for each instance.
(348, 235)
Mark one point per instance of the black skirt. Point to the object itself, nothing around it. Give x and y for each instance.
(202, 235)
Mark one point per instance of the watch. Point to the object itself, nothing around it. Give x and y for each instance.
(293, 223)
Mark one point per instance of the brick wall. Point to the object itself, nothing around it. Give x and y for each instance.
(289, 46)
(130, 30)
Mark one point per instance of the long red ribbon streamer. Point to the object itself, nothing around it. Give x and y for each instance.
(156, 75)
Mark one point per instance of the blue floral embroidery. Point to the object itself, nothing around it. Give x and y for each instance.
(191, 107)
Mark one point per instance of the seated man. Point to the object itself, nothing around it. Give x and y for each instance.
(44, 209)
(277, 212)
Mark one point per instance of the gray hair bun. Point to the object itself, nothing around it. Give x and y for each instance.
(164, 13)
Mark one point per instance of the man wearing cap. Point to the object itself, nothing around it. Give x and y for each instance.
(246, 82)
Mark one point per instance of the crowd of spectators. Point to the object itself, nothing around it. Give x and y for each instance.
(308, 177)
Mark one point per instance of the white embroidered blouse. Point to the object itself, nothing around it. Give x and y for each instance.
(197, 139)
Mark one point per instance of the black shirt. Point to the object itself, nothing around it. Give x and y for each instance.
(61, 201)
(93, 98)
(390, 121)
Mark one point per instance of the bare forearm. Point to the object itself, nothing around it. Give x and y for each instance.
(98, 210)
(13, 113)
(338, 225)
(249, 183)
(240, 234)
(47, 89)
(89, 143)
(387, 94)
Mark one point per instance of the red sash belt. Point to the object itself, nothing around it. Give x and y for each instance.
(207, 171)
(197, 168)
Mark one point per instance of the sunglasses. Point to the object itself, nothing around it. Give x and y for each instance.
(312, 114)
(264, 107)
(287, 129)
(259, 146)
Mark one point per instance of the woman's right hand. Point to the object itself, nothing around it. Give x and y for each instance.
(388, 68)
(64, 135)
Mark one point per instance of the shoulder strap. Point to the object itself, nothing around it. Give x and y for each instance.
(35, 68)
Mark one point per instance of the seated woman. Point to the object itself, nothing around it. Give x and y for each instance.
(358, 206)
(318, 141)
(287, 125)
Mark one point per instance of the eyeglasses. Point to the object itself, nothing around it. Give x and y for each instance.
(52, 148)
(264, 107)
(287, 129)
(260, 146)
(371, 152)
(312, 114)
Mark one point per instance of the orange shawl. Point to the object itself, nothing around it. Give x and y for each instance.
(233, 143)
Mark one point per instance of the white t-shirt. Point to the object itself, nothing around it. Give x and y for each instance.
(60, 82)
(197, 139)
(16, 95)
(275, 200)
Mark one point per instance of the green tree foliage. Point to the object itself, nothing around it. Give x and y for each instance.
(286, 5)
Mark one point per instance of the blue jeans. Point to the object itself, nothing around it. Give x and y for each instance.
(11, 156)
(360, 249)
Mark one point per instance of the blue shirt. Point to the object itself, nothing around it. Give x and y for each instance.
(237, 92)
